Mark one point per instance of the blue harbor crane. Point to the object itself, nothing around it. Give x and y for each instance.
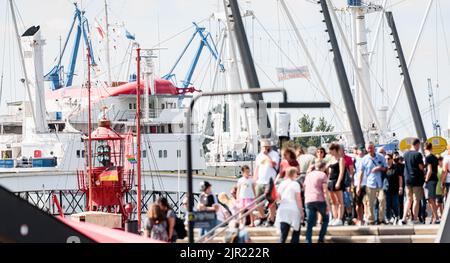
(55, 76)
(205, 41)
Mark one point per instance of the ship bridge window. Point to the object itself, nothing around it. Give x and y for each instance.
(144, 154)
(81, 153)
(162, 154)
(178, 153)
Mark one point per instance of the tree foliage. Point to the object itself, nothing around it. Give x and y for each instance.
(308, 124)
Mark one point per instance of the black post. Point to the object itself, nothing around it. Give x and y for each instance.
(347, 96)
(415, 112)
(190, 191)
(249, 67)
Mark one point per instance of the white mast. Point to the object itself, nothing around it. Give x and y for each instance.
(361, 53)
(22, 61)
(108, 58)
(34, 63)
(233, 84)
(149, 79)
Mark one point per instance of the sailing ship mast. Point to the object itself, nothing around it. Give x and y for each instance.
(108, 56)
(89, 130)
(138, 135)
(22, 62)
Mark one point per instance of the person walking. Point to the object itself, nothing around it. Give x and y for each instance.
(395, 182)
(315, 200)
(371, 169)
(336, 173)
(156, 225)
(289, 213)
(348, 177)
(246, 192)
(171, 218)
(431, 180)
(399, 161)
(414, 179)
(446, 174)
(289, 160)
(359, 196)
(208, 202)
(267, 163)
(439, 189)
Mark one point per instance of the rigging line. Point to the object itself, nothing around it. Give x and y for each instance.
(423, 111)
(395, 4)
(445, 33)
(179, 33)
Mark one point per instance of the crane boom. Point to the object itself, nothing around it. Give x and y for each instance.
(434, 116)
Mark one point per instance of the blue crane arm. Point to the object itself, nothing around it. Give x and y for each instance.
(206, 40)
(170, 75)
(82, 29)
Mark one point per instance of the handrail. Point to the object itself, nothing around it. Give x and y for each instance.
(212, 233)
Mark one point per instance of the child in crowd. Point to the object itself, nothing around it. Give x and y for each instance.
(246, 191)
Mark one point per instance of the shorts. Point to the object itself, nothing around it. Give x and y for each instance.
(332, 186)
(439, 199)
(414, 193)
(430, 189)
(359, 199)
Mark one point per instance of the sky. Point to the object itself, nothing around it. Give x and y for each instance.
(271, 40)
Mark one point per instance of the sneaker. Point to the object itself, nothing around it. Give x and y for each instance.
(338, 222)
(269, 223)
(332, 222)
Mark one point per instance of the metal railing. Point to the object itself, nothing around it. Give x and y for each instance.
(242, 213)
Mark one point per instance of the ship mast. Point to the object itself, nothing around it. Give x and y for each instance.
(89, 130)
(108, 57)
(22, 62)
(138, 135)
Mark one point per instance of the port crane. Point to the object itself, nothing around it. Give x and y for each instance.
(434, 115)
(56, 74)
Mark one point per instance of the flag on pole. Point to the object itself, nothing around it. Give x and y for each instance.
(100, 31)
(293, 73)
(129, 152)
(129, 35)
(131, 159)
(110, 175)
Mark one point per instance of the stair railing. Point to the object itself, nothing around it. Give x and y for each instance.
(242, 213)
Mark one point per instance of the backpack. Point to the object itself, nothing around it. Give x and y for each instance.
(180, 228)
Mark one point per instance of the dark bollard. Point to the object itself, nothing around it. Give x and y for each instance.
(131, 226)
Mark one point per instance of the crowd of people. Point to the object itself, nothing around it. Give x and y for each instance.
(323, 187)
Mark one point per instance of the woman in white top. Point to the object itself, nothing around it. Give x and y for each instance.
(290, 208)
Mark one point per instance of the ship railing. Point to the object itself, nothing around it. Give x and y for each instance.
(241, 214)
